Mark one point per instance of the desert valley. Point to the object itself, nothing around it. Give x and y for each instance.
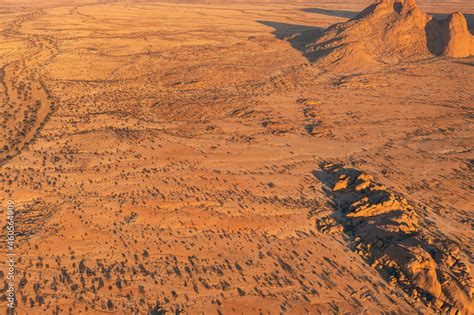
(238, 157)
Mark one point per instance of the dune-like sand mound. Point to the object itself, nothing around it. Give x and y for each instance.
(389, 233)
(388, 32)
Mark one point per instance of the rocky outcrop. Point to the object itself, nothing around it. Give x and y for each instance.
(459, 41)
(389, 32)
(389, 233)
(328, 225)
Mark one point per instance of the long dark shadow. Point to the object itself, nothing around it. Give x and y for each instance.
(284, 30)
(466, 63)
(469, 19)
(336, 13)
(297, 35)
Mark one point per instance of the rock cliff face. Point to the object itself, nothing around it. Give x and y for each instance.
(459, 41)
(389, 233)
(389, 32)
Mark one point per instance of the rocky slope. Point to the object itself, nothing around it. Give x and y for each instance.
(389, 32)
(390, 234)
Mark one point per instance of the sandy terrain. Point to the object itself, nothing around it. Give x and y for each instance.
(172, 156)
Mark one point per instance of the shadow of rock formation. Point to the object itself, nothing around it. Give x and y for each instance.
(386, 32)
(390, 32)
(329, 12)
(388, 232)
(297, 35)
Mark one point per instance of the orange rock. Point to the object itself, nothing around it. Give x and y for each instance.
(363, 181)
(390, 32)
(460, 42)
(342, 183)
(430, 270)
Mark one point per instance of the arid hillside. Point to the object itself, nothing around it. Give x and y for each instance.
(390, 32)
(238, 157)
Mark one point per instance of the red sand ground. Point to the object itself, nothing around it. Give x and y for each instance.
(179, 159)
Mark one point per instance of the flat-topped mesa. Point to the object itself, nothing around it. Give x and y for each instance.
(389, 32)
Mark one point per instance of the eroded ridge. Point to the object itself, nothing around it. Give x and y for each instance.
(27, 103)
(30, 218)
(389, 233)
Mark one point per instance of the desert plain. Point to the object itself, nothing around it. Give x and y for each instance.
(195, 157)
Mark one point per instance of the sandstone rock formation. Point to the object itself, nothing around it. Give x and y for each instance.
(328, 225)
(389, 233)
(389, 32)
(458, 42)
